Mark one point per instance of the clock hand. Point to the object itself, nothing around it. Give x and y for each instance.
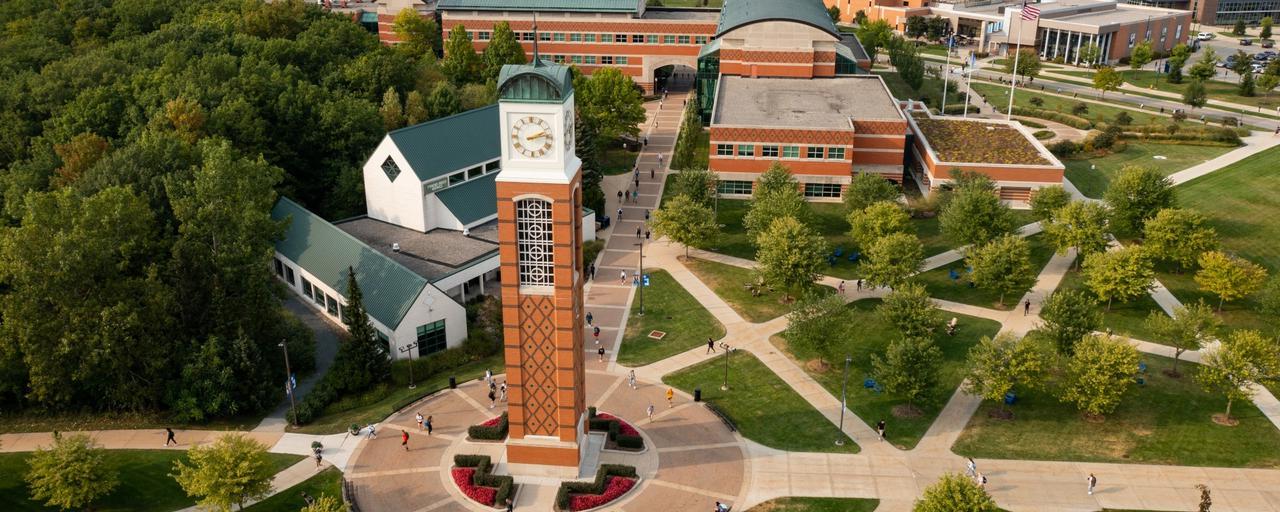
(538, 135)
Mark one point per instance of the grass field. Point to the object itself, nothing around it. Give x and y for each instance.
(940, 285)
(1216, 89)
(1125, 318)
(145, 484)
(727, 281)
(797, 504)
(668, 308)
(930, 89)
(1242, 202)
(764, 408)
(872, 336)
(1239, 314)
(1165, 421)
(617, 160)
(999, 95)
(1093, 175)
(327, 482)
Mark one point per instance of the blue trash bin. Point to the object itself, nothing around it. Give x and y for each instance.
(1010, 398)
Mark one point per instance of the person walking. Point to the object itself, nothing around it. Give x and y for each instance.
(590, 318)
(503, 391)
(649, 412)
(488, 377)
(168, 437)
(595, 331)
(982, 481)
(619, 209)
(631, 379)
(638, 232)
(511, 505)
(404, 439)
(841, 288)
(646, 234)
(493, 398)
(646, 215)
(671, 395)
(1093, 482)
(635, 195)
(880, 429)
(619, 200)
(428, 424)
(971, 468)
(420, 419)
(651, 173)
(711, 346)
(1026, 307)
(623, 278)
(859, 285)
(373, 434)
(600, 354)
(319, 459)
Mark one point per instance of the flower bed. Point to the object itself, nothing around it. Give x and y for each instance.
(473, 476)
(482, 495)
(624, 428)
(621, 435)
(616, 487)
(494, 429)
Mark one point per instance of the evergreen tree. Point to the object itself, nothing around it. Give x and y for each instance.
(392, 114)
(443, 101)
(362, 359)
(503, 49)
(461, 63)
(415, 109)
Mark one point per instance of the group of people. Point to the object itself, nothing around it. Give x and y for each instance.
(496, 391)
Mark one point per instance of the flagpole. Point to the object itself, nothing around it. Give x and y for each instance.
(969, 86)
(946, 70)
(1013, 80)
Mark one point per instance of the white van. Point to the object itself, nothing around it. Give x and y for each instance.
(1204, 36)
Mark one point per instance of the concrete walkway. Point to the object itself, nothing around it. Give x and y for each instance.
(326, 337)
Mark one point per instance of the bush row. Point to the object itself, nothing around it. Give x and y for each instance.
(1052, 115)
(490, 430)
(484, 475)
(623, 435)
(567, 489)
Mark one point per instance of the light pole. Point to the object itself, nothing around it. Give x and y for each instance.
(409, 348)
(640, 281)
(844, 390)
(288, 386)
(727, 349)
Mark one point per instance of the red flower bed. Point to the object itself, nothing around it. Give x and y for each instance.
(493, 422)
(617, 487)
(482, 495)
(624, 428)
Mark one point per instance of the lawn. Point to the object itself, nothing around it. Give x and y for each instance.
(327, 482)
(375, 405)
(668, 308)
(764, 408)
(1216, 89)
(1242, 202)
(1239, 314)
(1092, 175)
(1124, 318)
(940, 285)
(999, 95)
(1165, 421)
(872, 336)
(36, 421)
(617, 160)
(728, 282)
(930, 89)
(145, 484)
(797, 504)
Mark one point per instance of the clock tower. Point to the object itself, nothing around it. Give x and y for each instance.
(539, 194)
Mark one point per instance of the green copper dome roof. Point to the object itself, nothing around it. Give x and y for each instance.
(738, 13)
(536, 81)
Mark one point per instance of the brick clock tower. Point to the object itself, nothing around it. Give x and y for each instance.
(539, 198)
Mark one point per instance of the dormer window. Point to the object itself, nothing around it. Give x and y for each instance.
(389, 166)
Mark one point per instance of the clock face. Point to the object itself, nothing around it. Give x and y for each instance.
(568, 131)
(531, 136)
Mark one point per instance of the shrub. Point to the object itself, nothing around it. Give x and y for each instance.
(1064, 148)
(616, 487)
(1037, 101)
(1052, 115)
(1043, 134)
(464, 477)
(481, 477)
(598, 486)
(1106, 138)
(1032, 124)
(1230, 121)
(492, 430)
(1179, 116)
(630, 442)
(621, 433)
(1080, 108)
(1124, 119)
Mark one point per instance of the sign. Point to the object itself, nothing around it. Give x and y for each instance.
(436, 186)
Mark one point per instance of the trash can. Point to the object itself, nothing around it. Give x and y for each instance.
(453, 383)
(697, 394)
(1010, 398)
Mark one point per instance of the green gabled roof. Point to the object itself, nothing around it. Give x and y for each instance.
(325, 252)
(435, 148)
(542, 5)
(537, 81)
(473, 200)
(738, 13)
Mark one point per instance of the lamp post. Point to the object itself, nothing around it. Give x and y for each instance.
(409, 349)
(727, 349)
(288, 386)
(844, 390)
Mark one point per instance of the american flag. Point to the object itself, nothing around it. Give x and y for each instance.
(1030, 12)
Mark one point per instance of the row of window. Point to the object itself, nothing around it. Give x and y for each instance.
(607, 60)
(741, 187)
(431, 338)
(460, 177)
(775, 151)
(579, 37)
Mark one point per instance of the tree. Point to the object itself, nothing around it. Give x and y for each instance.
(1269, 297)
(685, 222)
(418, 34)
(777, 178)
(1098, 374)
(1003, 264)
(610, 104)
(326, 503)
(860, 17)
(391, 111)
(1189, 328)
(1068, 316)
(1238, 29)
(232, 470)
(814, 321)
(955, 492)
(1048, 200)
(443, 101)
(1177, 59)
(1089, 54)
(1179, 236)
(939, 28)
(362, 359)
(1124, 274)
(1245, 359)
(461, 64)
(776, 195)
(975, 216)
(71, 474)
(1140, 55)
(997, 366)
(415, 108)
(876, 221)
(1135, 195)
(874, 35)
(893, 259)
(1028, 64)
(1265, 23)
(1229, 277)
(916, 26)
(909, 369)
(833, 12)
(910, 66)
(1081, 225)
(911, 311)
(472, 96)
(1204, 68)
(1267, 82)
(503, 49)
(868, 188)
(699, 185)
(1242, 62)
(790, 253)
(1107, 79)
(78, 155)
(1195, 95)
(1247, 87)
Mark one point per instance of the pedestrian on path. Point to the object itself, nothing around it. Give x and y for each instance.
(981, 481)
(638, 232)
(619, 200)
(1026, 307)
(319, 459)
(859, 284)
(428, 424)
(659, 159)
(404, 439)
(420, 419)
(631, 379)
(493, 398)
(600, 354)
(1093, 482)
(168, 437)
(591, 272)
(623, 277)
(646, 234)
(971, 469)
(711, 346)
(671, 395)
(646, 215)
(488, 377)
(511, 505)
(635, 195)
(649, 411)
(651, 172)
(596, 332)
(589, 318)
(373, 434)
(619, 209)
(841, 288)
(880, 429)
(503, 390)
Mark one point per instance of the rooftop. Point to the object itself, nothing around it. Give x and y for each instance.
(542, 5)
(441, 146)
(959, 141)
(432, 255)
(738, 13)
(802, 103)
(1119, 15)
(658, 13)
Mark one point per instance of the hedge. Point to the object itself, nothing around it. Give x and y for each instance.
(613, 428)
(485, 477)
(490, 433)
(1052, 115)
(593, 487)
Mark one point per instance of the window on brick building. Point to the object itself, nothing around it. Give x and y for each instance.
(746, 150)
(734, 187)
(589, 59)
(651, 39)
(668, 39)
(482, 36)
(813, 152)
(769, 151)
(822, 190)
(544, 36)
(724, 149)
(590, 38)
(558, 36)
(606, 60)
(621, 60)
(700, 39)
(790, 151)
(558, 59)
(575, 38)
(576, 59)
(835, 153)
(684, 39)
(637, 38)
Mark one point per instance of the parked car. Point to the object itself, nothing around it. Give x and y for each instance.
(1268, 44)
(1246, 42)
(1229, 62)
(1204, 36)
